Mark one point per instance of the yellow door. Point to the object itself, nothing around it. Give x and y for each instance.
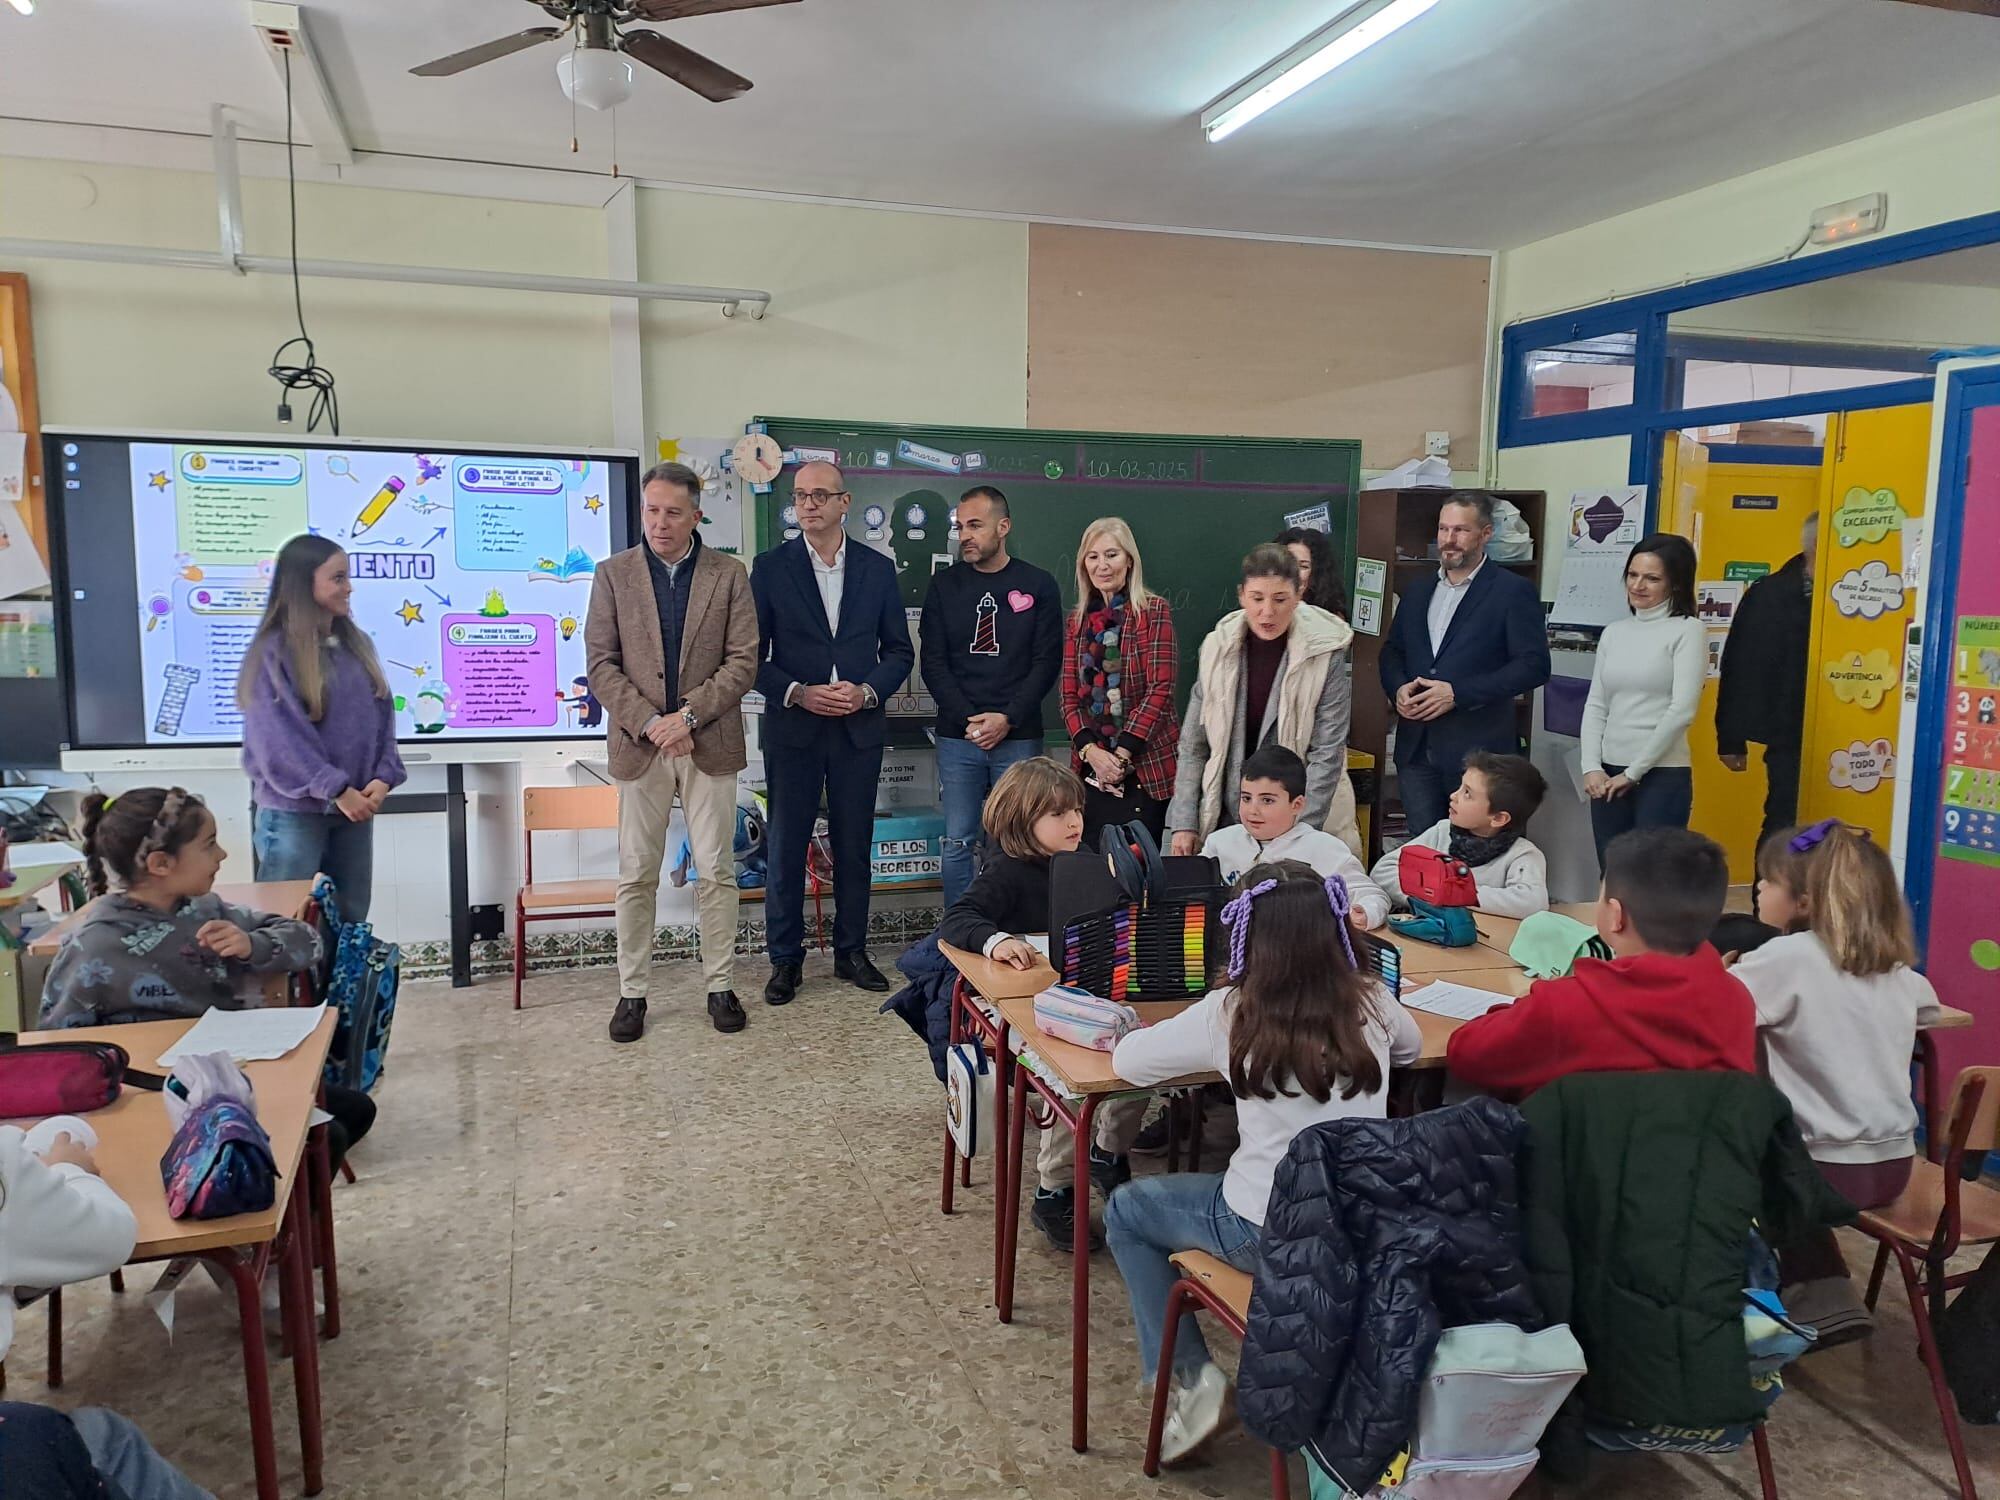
(1744, 521)
(1871, 495)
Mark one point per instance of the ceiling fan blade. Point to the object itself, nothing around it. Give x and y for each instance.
(685, 66)
(1968, 7)
(676, 10)
(472, 57)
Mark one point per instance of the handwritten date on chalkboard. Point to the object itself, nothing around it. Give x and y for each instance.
(1137, 468)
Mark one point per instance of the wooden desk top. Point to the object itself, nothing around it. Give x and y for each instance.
(133, 1134)
(998, 981)
(1079, 1069)
(1428, 960)
(33, 879)
(1498, 932)
(285, 897)
(1950, 1018)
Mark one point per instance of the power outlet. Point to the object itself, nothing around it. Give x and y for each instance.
(1437, 445)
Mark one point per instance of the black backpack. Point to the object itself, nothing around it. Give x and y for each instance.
(1968, 1339)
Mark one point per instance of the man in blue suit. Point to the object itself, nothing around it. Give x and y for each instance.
(1463, 645)
(834, 644)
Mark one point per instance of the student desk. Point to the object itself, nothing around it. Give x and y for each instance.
(1498, 932)
(1072, 1081)
(133, 1133)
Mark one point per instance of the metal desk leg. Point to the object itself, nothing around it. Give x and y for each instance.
(1003, 1085)
(1010, 1235)
(320, 1154)
(1079, 1286)
(954, 1033)
(247, 1271)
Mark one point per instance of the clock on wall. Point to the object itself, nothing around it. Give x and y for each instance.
(757, 457)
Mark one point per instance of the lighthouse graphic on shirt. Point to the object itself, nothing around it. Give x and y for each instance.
(985, 629)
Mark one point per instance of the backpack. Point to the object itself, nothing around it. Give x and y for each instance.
(359, 981)
(1968, 1341)
(1434, 876)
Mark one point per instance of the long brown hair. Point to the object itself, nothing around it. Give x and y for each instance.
(120, 832)
(295, 624)
(1028, 791)
(1301, 1009)
(1848, 895)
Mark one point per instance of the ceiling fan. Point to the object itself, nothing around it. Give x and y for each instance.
(594, 71)
(1969, 7)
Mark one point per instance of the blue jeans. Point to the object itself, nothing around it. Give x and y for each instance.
(298, 846)
(1151, 1218)
(1663, 799)
(966, 774)
(90, 1454)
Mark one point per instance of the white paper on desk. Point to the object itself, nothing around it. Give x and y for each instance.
(247, 1035)
(1457, 1002)
(1039, 941)
(29, 856)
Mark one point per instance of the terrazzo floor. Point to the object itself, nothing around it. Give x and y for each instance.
(709, 1265)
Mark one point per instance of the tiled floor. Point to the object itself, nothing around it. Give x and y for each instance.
(708, 1265)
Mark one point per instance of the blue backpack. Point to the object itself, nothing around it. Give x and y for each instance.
(359, 981)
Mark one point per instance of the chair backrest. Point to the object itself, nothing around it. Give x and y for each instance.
(1978, 1119)
(545, 808)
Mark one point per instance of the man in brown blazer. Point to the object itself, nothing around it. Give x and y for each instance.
(672, 638)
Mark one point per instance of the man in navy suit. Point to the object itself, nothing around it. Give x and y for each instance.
(1462, 646)
(835, 643)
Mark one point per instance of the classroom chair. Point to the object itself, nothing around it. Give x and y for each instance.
(1935, 1217)
(1224, 1291)
(549, 809)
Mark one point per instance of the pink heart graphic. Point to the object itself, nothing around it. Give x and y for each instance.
(1019, 602)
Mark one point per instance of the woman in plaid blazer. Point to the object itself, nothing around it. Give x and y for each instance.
(1120, 663)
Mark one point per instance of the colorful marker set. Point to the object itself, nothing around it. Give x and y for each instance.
(1139, 953)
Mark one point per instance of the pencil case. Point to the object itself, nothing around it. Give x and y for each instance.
(64, 1078)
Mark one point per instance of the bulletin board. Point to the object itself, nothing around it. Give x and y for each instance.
(1871, 514)
(1195, 504)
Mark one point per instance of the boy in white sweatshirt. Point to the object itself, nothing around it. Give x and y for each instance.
(1495, 798)
(60, 1222)
(1269, 804)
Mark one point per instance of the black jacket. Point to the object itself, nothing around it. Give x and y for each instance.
(1762, 694)
(1638, 1192)
(1380, 1234)
(1007, 895)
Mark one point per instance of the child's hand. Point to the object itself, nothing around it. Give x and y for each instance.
(67, 1149)
(224, 939)
(1359, 918)
(1016, 954)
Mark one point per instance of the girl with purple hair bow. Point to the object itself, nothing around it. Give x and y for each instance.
(1304, 1033)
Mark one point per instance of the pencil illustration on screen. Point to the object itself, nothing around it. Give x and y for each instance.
(374, 510)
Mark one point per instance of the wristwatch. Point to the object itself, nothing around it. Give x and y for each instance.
(688, 718)
(868, 698)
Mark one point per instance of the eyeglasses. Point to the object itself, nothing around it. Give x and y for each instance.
(817, 497)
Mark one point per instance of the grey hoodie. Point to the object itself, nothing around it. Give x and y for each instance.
(131, 962)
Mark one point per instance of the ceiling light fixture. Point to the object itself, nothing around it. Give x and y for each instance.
(594, 77)
(1352, 33)
(25, 7)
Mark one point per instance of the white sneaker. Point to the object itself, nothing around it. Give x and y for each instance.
(1194, 1413)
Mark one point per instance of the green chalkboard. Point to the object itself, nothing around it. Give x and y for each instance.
(1195, 504)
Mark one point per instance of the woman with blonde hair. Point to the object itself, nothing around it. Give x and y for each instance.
(1120, 661)
(319, 728)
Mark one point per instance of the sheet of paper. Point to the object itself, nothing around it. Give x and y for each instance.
(28, 856)
(1039, 941)
(247, 1035)
(21, 567)
(13, 465)
(1459, 1002)
(1602, 526)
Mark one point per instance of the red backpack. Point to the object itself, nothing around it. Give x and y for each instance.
(1434, 876)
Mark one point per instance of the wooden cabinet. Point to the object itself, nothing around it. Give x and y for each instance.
(1398, 528)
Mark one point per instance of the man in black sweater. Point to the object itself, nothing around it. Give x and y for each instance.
(1762, 693)
(992, 646)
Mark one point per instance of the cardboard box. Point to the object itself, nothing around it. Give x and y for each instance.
(907, 849)
(909, 780)
(1780, 434)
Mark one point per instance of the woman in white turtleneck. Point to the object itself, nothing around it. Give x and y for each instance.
(1643, 695)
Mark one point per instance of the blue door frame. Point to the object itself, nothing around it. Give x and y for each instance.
(1965, 392)
(1657, 354)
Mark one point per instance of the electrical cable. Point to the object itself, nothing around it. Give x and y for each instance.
(312, 376)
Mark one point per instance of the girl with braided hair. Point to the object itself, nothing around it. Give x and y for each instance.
(157, 943)
(1304, 1034)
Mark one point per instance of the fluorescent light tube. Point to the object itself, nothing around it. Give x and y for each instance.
(1353, 33)
(25, 7)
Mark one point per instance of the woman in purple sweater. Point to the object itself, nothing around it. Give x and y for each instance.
(319, 728)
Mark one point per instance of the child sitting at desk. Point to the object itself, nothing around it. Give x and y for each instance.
(1496, 796)
(1035, 811)
(1663, 1002)
(164, 946)
(1838, 1005)
(1269, 805)
(60, 1223)
(1304, 1034)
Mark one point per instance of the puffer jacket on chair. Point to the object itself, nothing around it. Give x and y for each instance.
(1380, 1234)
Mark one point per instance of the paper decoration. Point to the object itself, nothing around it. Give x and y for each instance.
(21, 566)
(13, 465)
(1371, 579)
(1861, 678)
(1978, 656)
(1715, 602)
(721, 488)
(1603, 525)
(1867, 515)
(1869, 591)
(1313, 518)
(1862, 766)
(1718, 641)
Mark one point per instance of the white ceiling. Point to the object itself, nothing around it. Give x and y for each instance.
(1485, 123)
